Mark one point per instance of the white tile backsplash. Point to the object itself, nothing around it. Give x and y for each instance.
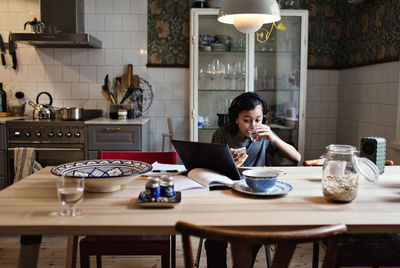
(113, 22)
(121, 6)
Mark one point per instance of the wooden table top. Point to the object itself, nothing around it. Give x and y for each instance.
(31, 205)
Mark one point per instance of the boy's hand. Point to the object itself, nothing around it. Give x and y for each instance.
(239, 158)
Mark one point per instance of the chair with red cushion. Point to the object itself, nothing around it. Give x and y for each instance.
(131, 245)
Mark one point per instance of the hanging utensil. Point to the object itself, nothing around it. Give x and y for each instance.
(2, 51)
(11, 51)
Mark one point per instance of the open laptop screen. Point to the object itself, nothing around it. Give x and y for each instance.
(213, 156)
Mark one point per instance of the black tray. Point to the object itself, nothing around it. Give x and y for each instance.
(172, 202)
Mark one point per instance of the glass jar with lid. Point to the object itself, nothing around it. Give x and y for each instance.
(341, 172)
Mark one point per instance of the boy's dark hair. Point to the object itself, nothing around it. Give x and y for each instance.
(244, 102)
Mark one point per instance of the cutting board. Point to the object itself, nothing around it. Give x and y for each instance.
(129, 78)
(126, 81)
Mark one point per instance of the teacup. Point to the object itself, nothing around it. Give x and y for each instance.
(260, 180)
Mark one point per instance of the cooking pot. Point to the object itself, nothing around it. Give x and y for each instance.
(71, 113)
(43, 111)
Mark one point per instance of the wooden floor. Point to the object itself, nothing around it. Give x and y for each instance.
(52, 254)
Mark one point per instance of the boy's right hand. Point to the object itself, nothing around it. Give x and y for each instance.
(239, 158)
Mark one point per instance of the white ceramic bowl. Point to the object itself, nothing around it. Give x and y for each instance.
(105, 185)
(103, 175)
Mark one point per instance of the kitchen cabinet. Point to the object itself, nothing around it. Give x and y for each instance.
(3, 150)
(117, 137)
(225, 63)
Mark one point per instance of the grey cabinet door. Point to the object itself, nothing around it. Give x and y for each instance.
(2, 164)
(2, 138)
(114, 137)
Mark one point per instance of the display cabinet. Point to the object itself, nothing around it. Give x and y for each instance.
(225, 63)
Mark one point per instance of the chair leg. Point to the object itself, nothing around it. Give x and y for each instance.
(315, 258)
(170, 144)
(268, 255)
(98, 261)
(163, 143)
(173, 251)
(84, 256)
(198, 255)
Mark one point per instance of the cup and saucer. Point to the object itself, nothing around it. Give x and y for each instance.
(261, 183)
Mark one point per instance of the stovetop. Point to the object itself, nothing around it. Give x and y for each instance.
(28, 130)
(87, 115)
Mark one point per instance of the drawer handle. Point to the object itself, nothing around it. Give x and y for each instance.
(113, 129)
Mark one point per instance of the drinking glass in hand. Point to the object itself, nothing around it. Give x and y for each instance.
(253, 135)
(70, 193)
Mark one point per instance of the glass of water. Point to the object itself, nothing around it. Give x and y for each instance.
(70, 193)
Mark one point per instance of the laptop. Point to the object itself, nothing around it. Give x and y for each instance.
(213, 156)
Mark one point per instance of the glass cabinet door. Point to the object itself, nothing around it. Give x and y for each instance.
(278, 71)
(219, 71)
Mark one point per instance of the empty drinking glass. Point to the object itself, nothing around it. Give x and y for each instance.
(70, 193)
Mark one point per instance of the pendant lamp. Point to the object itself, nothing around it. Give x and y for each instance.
(249, 15)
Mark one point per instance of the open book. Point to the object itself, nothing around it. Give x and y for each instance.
(201, 178)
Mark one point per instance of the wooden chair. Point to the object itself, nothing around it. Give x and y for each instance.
(131, 245)
(169, 135)
(362, 249)
(241, 242)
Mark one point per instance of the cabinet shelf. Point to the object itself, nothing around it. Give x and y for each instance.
(272, 126)
(278, 52)
(211, 53)
(221, 90)
(276, 89)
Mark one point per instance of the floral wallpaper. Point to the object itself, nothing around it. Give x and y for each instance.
(341, 35)
(344, 35)
(168, 33)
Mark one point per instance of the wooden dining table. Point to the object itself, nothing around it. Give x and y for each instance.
(31, 206)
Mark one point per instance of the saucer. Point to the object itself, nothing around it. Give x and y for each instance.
(280, 188)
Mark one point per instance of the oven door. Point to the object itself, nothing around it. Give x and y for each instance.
(47, 155)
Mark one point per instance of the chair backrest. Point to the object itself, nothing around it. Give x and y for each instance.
(148, 157)
(241, 242)
(170, 129)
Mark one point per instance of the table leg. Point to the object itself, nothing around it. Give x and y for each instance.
(72, 248)
(29, 251)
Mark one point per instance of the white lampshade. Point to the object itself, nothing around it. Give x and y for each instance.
(249, 15)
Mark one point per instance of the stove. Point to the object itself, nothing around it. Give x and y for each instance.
(55, 141)
(45, 131)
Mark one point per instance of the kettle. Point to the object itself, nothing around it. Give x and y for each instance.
(43, 111)
(36, 26)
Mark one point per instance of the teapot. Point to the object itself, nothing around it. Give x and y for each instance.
(36, 26)
(43, 111)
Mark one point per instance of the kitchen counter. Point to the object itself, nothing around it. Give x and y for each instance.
(109, 121)
(3, 120)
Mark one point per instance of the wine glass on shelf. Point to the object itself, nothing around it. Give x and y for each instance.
(70, 193)
(237, 74)
(228, 76)
(212, 73)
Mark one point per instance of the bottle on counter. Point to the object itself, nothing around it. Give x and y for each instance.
(3, 99)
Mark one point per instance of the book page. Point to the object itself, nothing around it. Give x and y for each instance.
(183, 183)
(160, 169)
(209, 178)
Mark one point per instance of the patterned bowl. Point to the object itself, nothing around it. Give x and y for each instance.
(260, 180)
(106, 175)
